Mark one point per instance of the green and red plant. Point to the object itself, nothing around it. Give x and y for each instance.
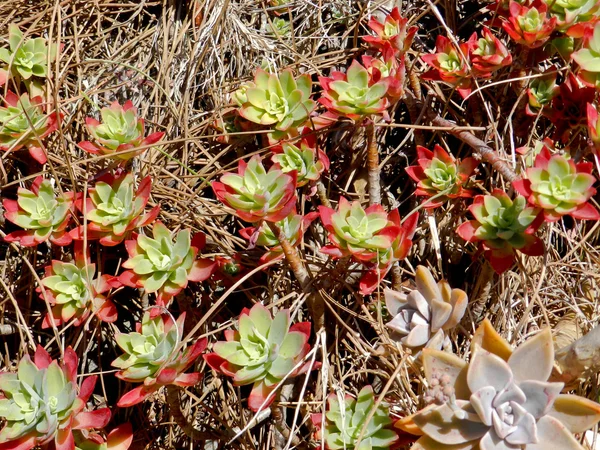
(354, 94)
(280, 101)
(42, 404)
(262, 351)
(569, 108)
(120, 130)
(153, 357)
(74, 293)
(450, 65)
(530, 26)
(588, 57)
(24, 123)
(293, 227)
(162, 266)
(307, 161)
(256, 194)
(27, 58)
(541, 92)
(393, 33)
(440, 176)
(502, 226)
(43, 215)
(114, 209)
(487, 54)
(119, 438)
(571, 12)
(559, 187)
(391, 70)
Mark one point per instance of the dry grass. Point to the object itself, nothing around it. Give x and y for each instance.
(178, 63)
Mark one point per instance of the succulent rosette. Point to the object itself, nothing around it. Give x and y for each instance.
(119, 438)
(164, 266)
(43, 215)
(380, 265)
(23, 123)
(529, 26)
(570, 12)
(357, 232)
(114, 209)
(449, 65)
(74, 293)
(488, 54)
(281, 101)
(393, 32)
(29, 57)
(440, 176)
(293, 227)
(391, 70)
(422, 317)
(559, 187)
(541, 92)
(42, 405)
(588, 57)
(152, 357)
(569, 108)
(121, 129)
(262, 351)
(354, 94)
(501, 400)
(307, 161)
(256, 194)
(593, 125)
(502, 226)
(346, 419)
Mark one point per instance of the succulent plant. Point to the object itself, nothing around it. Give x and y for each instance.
(29, 57)
(43, 215)
(120, 438)
(162, 265)
(449, 65)
(488, 54)
(307, 161)
(263, 351)
(569, 108)
(398, 250)
(41, 404)
(152, 356)
(569, 12)
(121, 129)
(279, 27)
(588, 57)
(354, 94)
(529, 26)
(559, 187)
(346, 421)
(541, 92)
(73, 292)
(440, 176)
(114, 209)
(502, 399)
(502, 226)
(393, 32)
(293, 226)
(354, 231)
(279, 101)
(23, 123)
(390, 69)
(256, 194)
(421, 317)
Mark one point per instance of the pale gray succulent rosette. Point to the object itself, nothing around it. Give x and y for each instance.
(422, 317)
(499, 401)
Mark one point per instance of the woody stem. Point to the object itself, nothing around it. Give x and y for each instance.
(373, 164)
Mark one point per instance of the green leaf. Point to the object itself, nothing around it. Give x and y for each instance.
(279, 327)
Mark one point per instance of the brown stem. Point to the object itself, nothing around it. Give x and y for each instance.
(396, 277)
(373, 165)
(175, 406)
(314, 300)
(488, 154)
(322, 193)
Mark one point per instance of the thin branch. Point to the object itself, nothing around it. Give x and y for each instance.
(374, 171)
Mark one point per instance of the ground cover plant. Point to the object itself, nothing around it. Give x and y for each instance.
(282, 224)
